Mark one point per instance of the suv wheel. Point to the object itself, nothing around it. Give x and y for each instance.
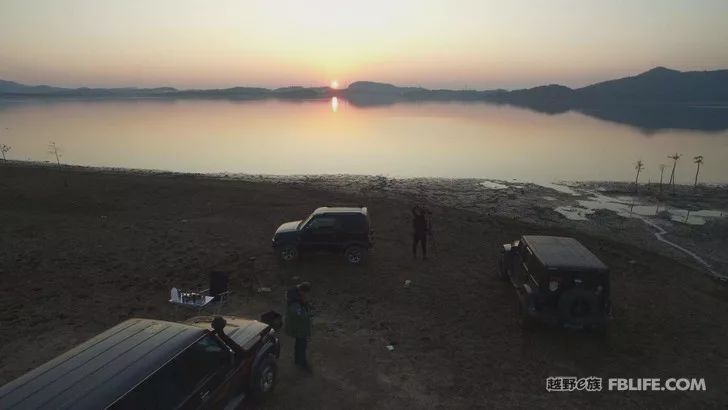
(288, 253)
(264, 379)
(355, 255)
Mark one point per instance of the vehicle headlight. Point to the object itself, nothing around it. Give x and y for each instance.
(553, 285)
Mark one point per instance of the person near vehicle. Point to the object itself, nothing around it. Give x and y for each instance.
(419, 227)
(298, 322)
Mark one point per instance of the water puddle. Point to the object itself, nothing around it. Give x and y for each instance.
(630, 207)
(493, 185)
(560, 187)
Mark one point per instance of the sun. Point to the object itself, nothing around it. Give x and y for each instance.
(334, 84)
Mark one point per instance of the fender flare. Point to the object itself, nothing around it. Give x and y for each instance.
(268, 348)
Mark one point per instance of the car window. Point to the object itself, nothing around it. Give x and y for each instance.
(201, 359)
(178, 379)
(354, 224)
(322, 222)
(529, 259)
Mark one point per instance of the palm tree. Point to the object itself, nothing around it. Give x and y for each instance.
(638, 166)
(674, 159)
(698, 160)
(662, 172)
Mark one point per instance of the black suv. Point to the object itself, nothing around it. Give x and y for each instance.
(331, 229)
(557, 280)
(152, 364)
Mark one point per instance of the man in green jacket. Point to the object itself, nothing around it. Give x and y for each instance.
(298, 322)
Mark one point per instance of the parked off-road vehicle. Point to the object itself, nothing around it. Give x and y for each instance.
(341, 230)
(152, 364)
(558, 281)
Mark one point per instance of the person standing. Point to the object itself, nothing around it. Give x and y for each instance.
(419, 228)
(298, 322)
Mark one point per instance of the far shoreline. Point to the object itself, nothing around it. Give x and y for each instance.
(244, 175)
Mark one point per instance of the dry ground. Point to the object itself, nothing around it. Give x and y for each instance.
(69, 273)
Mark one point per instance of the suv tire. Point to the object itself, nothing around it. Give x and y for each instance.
(288, 253)
(355, 255)
(264, 378)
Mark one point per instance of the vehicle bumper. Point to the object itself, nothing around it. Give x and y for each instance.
(552, 317)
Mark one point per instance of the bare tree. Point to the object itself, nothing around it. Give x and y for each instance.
(55, 150)
(4, 148)
(638, 166)
(662, 172)
(698, 160)
(674, 159)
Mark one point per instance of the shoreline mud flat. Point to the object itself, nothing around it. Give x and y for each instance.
(80, 257)
(691, 223)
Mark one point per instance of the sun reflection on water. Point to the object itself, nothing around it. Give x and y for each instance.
(334, 104)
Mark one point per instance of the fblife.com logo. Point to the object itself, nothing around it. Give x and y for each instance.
(567, 384)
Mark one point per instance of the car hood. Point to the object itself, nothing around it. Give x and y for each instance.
(288, 227)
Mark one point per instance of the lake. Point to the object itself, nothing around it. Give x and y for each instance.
(427, 139)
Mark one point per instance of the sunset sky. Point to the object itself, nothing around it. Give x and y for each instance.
(454, 44)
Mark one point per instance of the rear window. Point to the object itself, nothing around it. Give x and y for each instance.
(354, 223)
(530, 260)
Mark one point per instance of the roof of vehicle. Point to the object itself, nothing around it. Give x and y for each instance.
(82, 377)
(340, 210)
(556, 252)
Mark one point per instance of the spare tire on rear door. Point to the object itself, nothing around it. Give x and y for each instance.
(579, 307)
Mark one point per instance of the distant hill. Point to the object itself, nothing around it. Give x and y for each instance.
(659, 85)
(10, 87)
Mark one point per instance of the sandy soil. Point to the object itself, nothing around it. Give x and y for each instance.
(76, 260)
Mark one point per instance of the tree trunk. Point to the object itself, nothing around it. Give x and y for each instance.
(696, 176)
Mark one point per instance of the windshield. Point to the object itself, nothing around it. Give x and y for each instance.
(305, 221)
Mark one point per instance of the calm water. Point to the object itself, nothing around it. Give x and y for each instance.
(329, 137)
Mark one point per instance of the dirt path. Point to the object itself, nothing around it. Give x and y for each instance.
(67, 273)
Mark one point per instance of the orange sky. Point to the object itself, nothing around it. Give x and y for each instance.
(453, 44)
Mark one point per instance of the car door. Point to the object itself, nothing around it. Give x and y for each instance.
(206, 366)
(319, 233)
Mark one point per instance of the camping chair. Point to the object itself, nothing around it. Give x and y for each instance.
(218, 290)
